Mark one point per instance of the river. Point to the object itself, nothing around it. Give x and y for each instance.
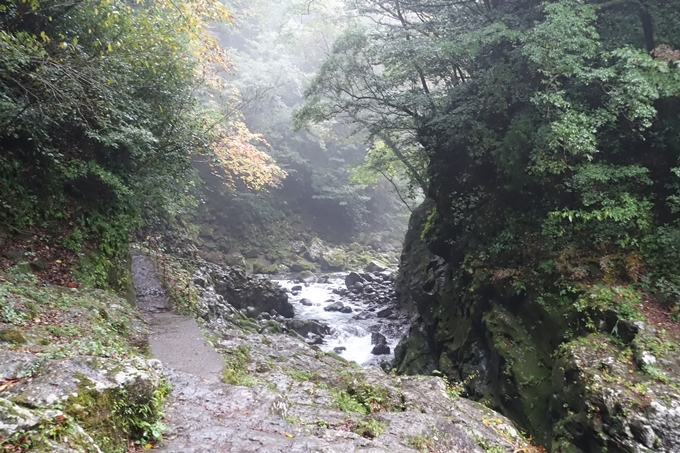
(352, 331)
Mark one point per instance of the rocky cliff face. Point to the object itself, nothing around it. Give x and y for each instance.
(579, 379)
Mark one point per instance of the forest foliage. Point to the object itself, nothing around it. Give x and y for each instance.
(275, 48)
(102, 106)
(549, 129)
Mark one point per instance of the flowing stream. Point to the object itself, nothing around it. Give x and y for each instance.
(352, 331)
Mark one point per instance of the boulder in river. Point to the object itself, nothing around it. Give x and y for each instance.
(306, 277)
(380, 349)
(304, 327)
(306, 302)
(380, 344)
(335, 306)
(384, 313)
(313, 338)
(353, 278)
(243, 291)
(375, 266)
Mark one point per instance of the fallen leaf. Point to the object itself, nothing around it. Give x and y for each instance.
(289, 435)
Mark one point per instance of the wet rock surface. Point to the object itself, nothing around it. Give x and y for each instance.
(283, 395)
(621, 408)
(79, 365)
(292, 404)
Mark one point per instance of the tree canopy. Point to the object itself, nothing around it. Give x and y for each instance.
(556, 120)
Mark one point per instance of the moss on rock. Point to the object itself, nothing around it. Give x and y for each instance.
(334, 260)
(14, 336)
(301, 265)
(114, 416)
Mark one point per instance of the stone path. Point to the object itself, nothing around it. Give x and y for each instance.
(175, 340)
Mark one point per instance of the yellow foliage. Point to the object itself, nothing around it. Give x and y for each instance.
(239, 161)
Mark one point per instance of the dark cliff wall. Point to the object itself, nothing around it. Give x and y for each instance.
(539, 360)
(473, 331)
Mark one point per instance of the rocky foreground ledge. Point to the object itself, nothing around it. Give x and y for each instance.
(277, 393)
(76, 377)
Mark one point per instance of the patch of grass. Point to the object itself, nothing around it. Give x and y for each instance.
(373, 398)
(423, 444)
(369, 428)
(321, 423)
(292, 420)
(657, 373)
(62, 332)
(297, 375)
(346, 403)
(236, 369)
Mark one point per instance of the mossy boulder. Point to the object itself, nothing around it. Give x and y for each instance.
(306, 276)
(115, 414)
(413, 354)
(262, 268)
(301, 265)
(236, 259)
(333, 260)
(375, 266)
(316, 250)
(109, 399)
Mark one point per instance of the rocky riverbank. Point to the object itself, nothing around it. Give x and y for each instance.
(360, 310)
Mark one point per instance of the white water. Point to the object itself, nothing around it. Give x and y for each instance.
(353, 334)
